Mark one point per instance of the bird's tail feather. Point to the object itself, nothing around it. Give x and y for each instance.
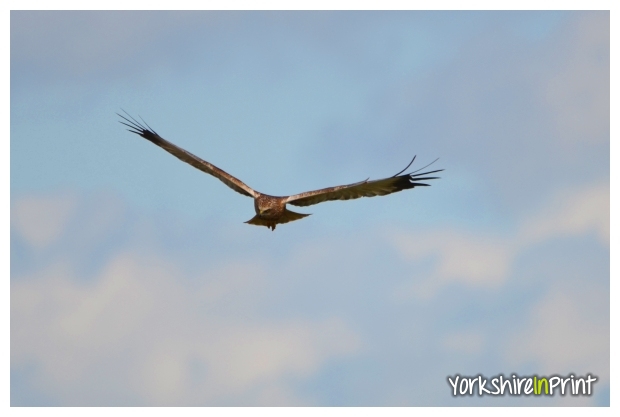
(287, 216)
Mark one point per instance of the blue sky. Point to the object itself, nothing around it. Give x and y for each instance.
(134, 280)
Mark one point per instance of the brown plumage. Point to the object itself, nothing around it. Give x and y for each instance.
(271, 210)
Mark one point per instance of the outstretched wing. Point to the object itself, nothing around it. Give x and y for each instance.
(365, 188)
(149, 134)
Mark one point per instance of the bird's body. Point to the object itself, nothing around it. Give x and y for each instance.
(271, 210)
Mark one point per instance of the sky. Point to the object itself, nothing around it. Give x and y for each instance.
(135, 282)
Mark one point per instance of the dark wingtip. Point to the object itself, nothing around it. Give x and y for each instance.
(413, 179)
(400, 172)
(136, 127)
(418, 176)
(412, 176)
(426, 166)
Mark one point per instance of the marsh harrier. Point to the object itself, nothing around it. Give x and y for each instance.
(271, 210)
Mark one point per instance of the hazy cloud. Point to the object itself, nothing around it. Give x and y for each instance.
(40, 220)
(480, 259)
(76, 45)
(564, 333)
(578, 92)
(574, 211)
(178, 346)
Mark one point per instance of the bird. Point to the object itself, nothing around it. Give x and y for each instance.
(271, 210)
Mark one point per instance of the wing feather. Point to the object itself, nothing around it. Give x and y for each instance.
(365, 188)
(185, 156)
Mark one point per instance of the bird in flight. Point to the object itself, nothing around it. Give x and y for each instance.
(271, 210)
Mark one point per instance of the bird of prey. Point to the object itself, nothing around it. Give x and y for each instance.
(271, 210)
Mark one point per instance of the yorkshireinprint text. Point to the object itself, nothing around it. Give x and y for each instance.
(462, 385)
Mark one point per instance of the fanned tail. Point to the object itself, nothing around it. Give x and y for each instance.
(287, 216)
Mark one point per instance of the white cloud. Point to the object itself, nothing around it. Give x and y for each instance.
(576, 211)
(40, 220)
(461, 257)
(486, 260)
(181, 343)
